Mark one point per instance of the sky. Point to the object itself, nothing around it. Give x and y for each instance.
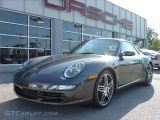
(149, 9)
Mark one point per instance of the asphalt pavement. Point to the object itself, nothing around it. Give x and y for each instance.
(133, 103)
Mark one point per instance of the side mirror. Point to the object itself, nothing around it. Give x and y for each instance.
(121, 56)
(126, 53)
(129, 53)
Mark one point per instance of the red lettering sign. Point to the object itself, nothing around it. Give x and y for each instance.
(94, 13)
(56, 6)
(91, 12)
(112, 16)
(77, 6)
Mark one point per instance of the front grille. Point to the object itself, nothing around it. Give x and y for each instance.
(43, 96)
(50, 94)
(30, 93)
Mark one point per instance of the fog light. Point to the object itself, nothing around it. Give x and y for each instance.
(38, 86)
(61, 87)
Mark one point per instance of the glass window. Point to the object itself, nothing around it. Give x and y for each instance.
(92, 31)
(85, 37)
(13, 55)
(138, 42)
(13, 29)
(72, 27)
(72, 36)
(66, 45)
(39, 32)
(11, 41)
(14, 42)
(123, 36)
(129, 38)
(69, 45)
(39, 21)
(13, 17)
(99, 47)
(116, 35)
(39, 43)
(37, 53)
(48, 44)
(73, 44)
(107, 34)
(93, 37)
(128, 47)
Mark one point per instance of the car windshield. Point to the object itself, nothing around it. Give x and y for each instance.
(99, 47)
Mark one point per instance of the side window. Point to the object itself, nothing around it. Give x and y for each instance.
(128, 47)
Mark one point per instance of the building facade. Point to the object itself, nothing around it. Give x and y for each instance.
(33, 28)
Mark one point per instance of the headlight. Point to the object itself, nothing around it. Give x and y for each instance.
(25, 64)
(74, 70)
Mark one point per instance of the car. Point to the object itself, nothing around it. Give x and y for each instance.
(93, 71)
(154, 55)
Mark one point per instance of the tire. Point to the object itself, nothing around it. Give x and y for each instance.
(104, 89)
(149, 75)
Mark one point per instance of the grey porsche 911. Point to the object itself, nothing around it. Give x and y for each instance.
(92, 71)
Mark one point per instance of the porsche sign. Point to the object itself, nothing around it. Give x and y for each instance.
(91, 12)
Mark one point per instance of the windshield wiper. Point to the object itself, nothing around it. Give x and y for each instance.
(86, 53)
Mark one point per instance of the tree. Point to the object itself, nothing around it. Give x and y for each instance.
(155, 45)
(154, 41)
(151, 35)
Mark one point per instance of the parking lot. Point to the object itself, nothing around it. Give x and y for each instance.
(134, 103)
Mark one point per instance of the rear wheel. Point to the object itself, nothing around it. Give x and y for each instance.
(104, 89)
(149, 75)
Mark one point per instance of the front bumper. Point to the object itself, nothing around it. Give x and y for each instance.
(83, 92)
(47, 97)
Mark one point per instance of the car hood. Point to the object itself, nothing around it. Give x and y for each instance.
(47, 69)
(56, 62)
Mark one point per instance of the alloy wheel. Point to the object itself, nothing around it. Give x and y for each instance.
(149, 74)
(105, 89)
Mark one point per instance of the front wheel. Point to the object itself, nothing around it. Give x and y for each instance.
(104, 89)
(149, 75)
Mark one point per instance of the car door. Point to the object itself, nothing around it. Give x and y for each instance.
(130, 67)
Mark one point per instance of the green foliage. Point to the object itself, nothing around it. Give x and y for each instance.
(154, 41)
(151, 35)
(155, 44)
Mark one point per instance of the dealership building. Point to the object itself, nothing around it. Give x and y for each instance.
(33, 28)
